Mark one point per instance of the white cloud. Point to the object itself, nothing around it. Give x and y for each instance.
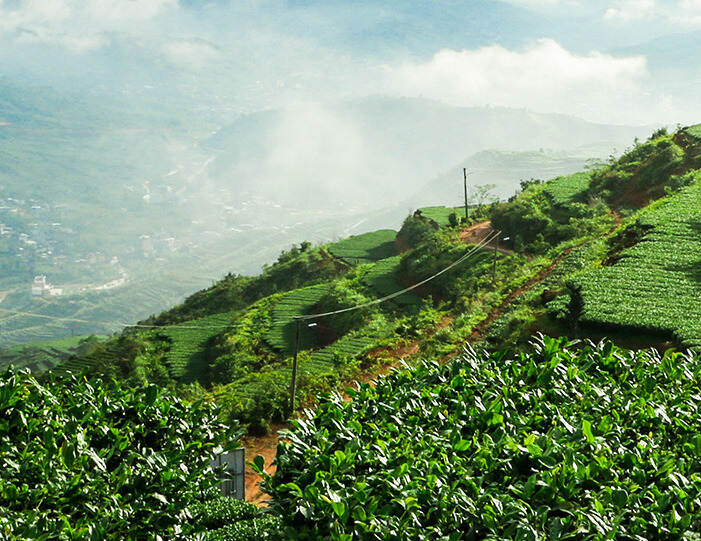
(543, 77)
(625, 11)
(78, 25)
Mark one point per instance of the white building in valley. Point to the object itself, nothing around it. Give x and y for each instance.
(41, 288)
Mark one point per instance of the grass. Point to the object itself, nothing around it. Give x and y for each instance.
(440, 214)
(365, 248)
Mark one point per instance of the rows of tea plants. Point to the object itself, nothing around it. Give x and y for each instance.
(187, 344)
(564, 190)
(93, 460)
(570, 441)
(365, 248)
(281, 335)
(656, 284)
(383, 277)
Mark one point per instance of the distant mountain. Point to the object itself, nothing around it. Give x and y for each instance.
(378, 150)
(503, 169)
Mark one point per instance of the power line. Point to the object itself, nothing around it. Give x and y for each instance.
(479, 245)
(117, 323)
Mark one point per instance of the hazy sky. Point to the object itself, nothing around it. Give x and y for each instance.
(589, 58)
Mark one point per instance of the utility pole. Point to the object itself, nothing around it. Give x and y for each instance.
(464, 176)
(293, 383)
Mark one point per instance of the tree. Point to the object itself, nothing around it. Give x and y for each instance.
(482, 194)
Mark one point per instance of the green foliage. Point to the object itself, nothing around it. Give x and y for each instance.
(365, 248)
(341, 352)
(656, 284)
(573, 442)
(416, 229)
(341, 296)
(42, 356)
(436, 254)
(547, 214)
(453, 220)
(89, 460)
(187, 345)
(292, 271)
(645, 168)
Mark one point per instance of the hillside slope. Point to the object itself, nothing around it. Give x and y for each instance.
(234, 341)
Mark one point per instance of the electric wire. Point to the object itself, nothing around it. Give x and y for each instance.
(478, 246)
(305, 317)
(117, 323)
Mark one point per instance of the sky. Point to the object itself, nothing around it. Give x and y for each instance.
(588, 58)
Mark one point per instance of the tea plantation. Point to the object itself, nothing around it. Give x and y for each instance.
(570, 441)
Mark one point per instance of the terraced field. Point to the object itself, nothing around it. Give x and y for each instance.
(365, 248)
(440, 214)
(383, 277)
(564, 190)
(656, 284)
(281, 335)
(188, 344)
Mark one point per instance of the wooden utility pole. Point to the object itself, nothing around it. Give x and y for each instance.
(293, 383)
(464, 176)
